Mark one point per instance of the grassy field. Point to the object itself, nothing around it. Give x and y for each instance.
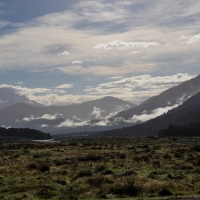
(112, 168)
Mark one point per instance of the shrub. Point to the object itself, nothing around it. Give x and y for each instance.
(165, 192)
(44, 168)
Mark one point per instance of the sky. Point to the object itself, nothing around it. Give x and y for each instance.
(70, 51)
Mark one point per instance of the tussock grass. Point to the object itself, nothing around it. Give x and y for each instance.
(112, 168)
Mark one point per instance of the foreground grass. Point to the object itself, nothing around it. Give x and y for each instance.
(87, 168)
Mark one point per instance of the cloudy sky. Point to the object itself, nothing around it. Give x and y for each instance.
(67, 51)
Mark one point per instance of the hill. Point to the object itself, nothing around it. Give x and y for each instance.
(24, 133)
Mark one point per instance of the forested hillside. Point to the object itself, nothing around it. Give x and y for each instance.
(184, 130)
(24, 133)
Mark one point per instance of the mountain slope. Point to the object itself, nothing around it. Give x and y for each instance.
(184, 130)
(169, 97)
(188, 112)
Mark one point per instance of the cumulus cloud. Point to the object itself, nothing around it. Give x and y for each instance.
(65, 86)
(45, 116)
(125, 45)
(97, 112)
(189, 39)
(72, 124)
(65, 53)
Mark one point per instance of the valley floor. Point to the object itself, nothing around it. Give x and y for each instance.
(104, 168)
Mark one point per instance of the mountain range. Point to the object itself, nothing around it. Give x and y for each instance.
(24, 115)
(108, 113)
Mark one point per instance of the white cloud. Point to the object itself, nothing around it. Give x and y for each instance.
(62, 91)
(6, 127)
(72, 124)
(76, 118)
(153, 114)
(125, 45)
(77, 62)
(65, 53)
(97, 112)
(65, 86)
(189, 39)
(44, 126)
(45, 116)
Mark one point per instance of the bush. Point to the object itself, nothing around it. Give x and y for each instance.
(44, 168)
(165, 192)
